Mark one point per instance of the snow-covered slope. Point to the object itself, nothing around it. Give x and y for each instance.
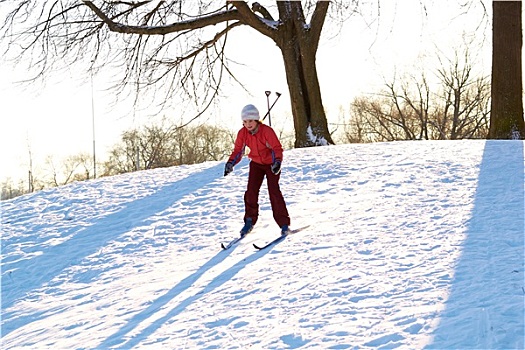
(410, 245)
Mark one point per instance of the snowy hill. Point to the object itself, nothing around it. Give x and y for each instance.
(411, 245)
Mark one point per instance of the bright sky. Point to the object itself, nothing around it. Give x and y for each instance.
(55, 119)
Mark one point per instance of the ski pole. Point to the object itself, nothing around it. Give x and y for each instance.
(273, 104)
(268, 104)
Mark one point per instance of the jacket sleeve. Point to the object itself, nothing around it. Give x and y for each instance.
(238, 148)
(275, 145)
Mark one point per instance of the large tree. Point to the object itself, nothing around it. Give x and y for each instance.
(161, 43)
(506, 121)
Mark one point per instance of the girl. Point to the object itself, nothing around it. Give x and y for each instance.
(266, 155)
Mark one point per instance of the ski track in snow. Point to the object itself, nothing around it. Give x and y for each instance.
(410, 245)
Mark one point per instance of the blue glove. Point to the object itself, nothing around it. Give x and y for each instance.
(228, 168)
(276, 167)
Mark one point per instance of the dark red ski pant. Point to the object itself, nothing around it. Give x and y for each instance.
(251, 196)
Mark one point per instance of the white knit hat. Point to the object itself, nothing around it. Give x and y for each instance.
(250, 112)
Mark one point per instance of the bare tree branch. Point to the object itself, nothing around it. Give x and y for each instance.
(199, 22)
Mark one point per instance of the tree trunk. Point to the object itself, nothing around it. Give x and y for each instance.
(310, 123)
(298, 46)
(506, 120)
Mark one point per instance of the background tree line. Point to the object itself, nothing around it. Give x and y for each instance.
(158, 146)
(148, 147)
(455, 106)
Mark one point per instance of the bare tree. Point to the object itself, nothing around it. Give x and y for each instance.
(409, 110)
(174, 44)
(9, 190)
(73, 168)
(163, 146)
(30, 173)
(151, 145)
(465, 111)
(210, 142)
(506, 121)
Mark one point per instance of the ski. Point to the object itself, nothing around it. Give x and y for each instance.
(236, 240)
(279, 239)
(232, 243)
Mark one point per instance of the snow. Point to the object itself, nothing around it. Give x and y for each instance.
(316, 140)
(411, 245)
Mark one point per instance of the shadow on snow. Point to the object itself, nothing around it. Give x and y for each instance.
(91, 239)
(115, 340)
(485, 308)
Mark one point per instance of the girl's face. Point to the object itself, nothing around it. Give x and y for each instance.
(251, 125)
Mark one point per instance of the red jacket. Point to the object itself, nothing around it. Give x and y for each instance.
(264, 146)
